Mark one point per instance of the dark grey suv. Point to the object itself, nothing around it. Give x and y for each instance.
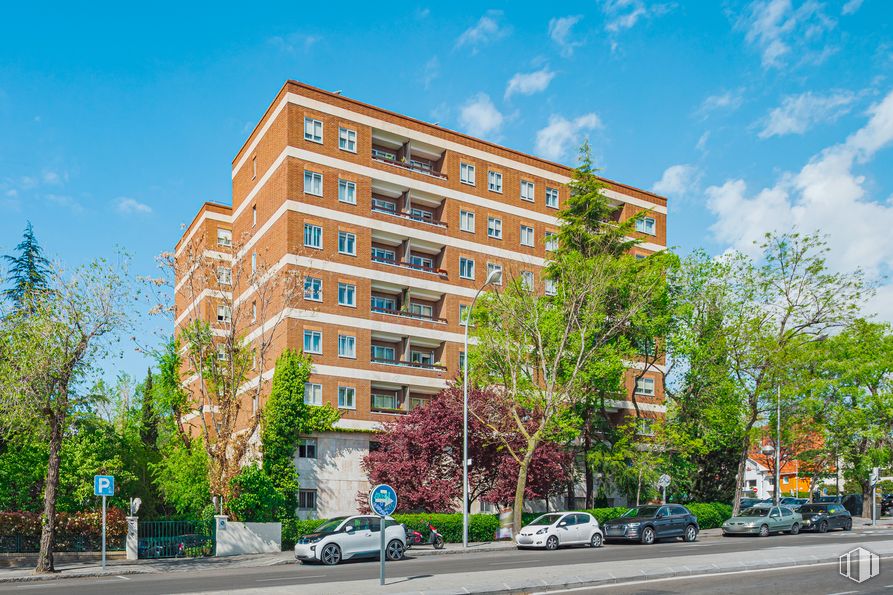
(647, 524)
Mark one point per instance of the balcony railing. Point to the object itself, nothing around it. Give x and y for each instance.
(409, 216)
(405, 364)
(409, 265)
(408, 314)
(421, 167)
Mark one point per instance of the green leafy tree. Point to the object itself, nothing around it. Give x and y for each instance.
(181, 476)
(255, 497)
(29, 271)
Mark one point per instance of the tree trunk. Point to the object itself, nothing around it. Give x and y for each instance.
(742, 469)
(866, 499)
(48, 519)
(521, 485)
(639, 488)
(587, 470)
(571, 495)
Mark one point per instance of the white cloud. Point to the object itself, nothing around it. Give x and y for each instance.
(851, 7)
(827, 196)
(529, 83)
(487, 30)
(678, 181)
(431, 71)
(702, 141)
(624, 14)
(130, 206)
(294, 42)
(479, 117)
(725, 101)
(560, 30)
(798, 113)
(556, 139)
(774, 26)
(63, 200)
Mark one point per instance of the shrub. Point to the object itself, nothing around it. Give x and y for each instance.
(710, 514)
(79, 531)
(255, 498)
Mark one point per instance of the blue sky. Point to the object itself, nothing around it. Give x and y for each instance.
(751, 116)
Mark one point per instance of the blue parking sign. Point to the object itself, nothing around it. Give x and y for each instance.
(383, 500)
(103, 485)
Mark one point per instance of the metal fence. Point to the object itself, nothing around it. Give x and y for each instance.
(176, 539)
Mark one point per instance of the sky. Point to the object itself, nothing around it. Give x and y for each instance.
(117, 121)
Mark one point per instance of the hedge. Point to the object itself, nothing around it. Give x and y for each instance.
(78, 531)
(482, 527)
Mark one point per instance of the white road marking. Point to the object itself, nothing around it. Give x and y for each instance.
(844, 593)
(512, 562)
(123, 578)
(290, 578)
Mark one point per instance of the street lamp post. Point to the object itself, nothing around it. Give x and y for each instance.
(491, 278)
(778, 446)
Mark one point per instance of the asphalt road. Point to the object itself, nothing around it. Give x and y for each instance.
(298, 575)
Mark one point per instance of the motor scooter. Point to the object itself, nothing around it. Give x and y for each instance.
(415, 538)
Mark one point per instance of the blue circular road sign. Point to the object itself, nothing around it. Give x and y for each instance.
(383, 500)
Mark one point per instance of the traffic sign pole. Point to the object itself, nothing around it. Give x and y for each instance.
(383, 502)
(381, 573)
(103, 485)
(103, 533)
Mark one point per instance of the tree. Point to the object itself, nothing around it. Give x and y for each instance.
(29, 272)
(255, 497)
(181, 476)
(148, 421)
(45, 355)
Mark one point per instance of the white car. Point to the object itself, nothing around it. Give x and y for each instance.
(561, 528)
(357, 536)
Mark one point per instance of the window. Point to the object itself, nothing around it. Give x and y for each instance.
(462, 360)
(527, 280)
(381, 204)
(645, 427)
(312, 183)
(313, 289)
(466, 173)
(550, 287)
(347, 192)
(254, 167)
(383, 303)
(347, 294)
(463, 314)
(552, 197)
(423, 310)
(224, 314)
(253, 215)
(526, 235)
(645, 386)
(347, 243)
(307, 448)
(494, 227)
(312, 130)
(494, 181)
(551, 241)
(312, 393)
(347, 397)
(527, 191)
(466, 221)
(347, 346)
(466, 268)
(383, 254)
(224, 237)
(426, 358)
(347, 140)
(254, 262)
(307, 499)
(646, 225)
(224, 276)
(425, 262)
(415, 402)
(312, 341)
(222, 355)
(374, 446)
(312, 235)
(380, 352)
(384, 401)
(492, 266)
(646, 346)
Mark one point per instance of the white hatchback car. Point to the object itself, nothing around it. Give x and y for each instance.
(359, 536)
(561, 528)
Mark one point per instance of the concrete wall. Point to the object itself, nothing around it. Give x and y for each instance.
(234, 538)
(335, 474)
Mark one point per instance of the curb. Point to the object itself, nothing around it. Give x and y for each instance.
(61, 575)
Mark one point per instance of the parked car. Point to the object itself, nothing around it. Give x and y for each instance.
(829, 500)
(822, 517)
(748, 502)
(647, 524)
(343, 538)
(561, 528)
(763, 520)
(793, 503)
(887, 504)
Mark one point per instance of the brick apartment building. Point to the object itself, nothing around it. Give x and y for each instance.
(394, 224)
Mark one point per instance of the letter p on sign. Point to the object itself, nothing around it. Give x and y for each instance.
(103, 485)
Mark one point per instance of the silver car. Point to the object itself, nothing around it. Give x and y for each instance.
(555, 529)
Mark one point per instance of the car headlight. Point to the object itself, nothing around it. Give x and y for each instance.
(633, 525)
(543, 530)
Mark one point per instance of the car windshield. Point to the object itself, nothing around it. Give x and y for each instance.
(793, 500)
(755, 511)
(645, 511)
(813, 508)
(546, 519)
(330, 525)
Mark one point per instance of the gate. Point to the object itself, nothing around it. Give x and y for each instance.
(176, 539)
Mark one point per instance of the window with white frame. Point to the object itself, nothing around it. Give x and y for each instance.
(491, 267)
(527, 191)
(466, 221)
(425, 262)
(383, 204)
(222, 355)
(526, 235)
(312, 235)
(383, 303)
(466, 173)
(551, 241)
(347, 294)
(552, 198)
(646, 225)
(312, 182)
(347, 192)
(307, 499)
(423, 310)
(494, 181)
(253, 215)
(384, 400)
(527, 280)
(312, 341)
(550, 287)
(347, 397)
(307, 448)
(383, 254)
(645, 386)
(494, 227)
(312, 130)
(224, 237)
(254, 262)
(224, 276)
(463, 314)
(313, 289)
(466, 268)
(312, 393)
(645, 427)
(347, 346)
(224, 314)
(347, 140)
(383, 353)
(347, 243)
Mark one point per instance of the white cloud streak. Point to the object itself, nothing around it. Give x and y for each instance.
(799, 113)
(529, 83)
(556, 139)
(561, 32)
(479, 117)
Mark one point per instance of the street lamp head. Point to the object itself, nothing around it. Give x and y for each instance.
(768, 449)
(495, 276)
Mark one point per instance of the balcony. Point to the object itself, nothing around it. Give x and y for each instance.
(408, 216)
(406, 364)
(409, 265)
(407, 314)
(418, 165)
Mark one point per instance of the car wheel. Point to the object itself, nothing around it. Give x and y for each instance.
(764, 531)
(795, 528)
(823, 527)
(330, 555)
(596, 540)
(647, 535)
(552, 543)
(848, 525)
(394, 550)
(691, 534)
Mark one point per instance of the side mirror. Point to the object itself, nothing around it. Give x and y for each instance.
(659, 515)
(349, 528)
(562, 524)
